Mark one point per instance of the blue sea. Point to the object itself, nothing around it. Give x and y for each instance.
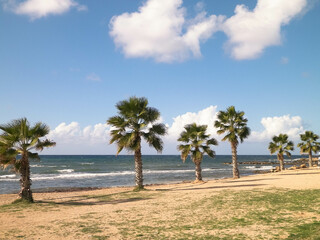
(66, 171)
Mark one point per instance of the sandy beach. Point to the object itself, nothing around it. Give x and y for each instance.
(174, 211)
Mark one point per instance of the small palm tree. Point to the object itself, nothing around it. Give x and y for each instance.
(136, 121)
(16, 143)
(197, 144)
(234, 125)
(281, 145)
(309, 144)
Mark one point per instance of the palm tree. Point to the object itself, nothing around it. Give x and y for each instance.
(136, 121)
(197, 144)
(281, 145)
(309, 144)
(16, 143)
(234, 125)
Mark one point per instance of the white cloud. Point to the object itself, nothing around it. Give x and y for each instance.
(250, 32)
(206, 116)
(41, 8)
(293, 126)
(72, 133)
(93, 77)
(159, 30)
(73, 139)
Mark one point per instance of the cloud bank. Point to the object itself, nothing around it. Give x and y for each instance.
(94, 139)
(160, 29)
(293, 126)
(41, 8)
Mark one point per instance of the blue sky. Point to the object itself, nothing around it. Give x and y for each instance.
(68, 63)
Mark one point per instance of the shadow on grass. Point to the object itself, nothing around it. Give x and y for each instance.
(213, 187)
(296, 174)
(82, 202)
(253, 180)
(91, 200)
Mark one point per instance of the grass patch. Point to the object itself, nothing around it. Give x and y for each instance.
(310, 231)
(272, 214)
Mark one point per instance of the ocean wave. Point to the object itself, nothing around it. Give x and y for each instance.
(70, 174)
(8, 176)
(87, 163)
(66, 171)
(36, 165)
(259, 168)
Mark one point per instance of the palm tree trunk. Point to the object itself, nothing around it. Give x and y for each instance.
(235, 160)
(25, 181)
(198, 171)
(281, 161)
(138, 168)
(310, 159)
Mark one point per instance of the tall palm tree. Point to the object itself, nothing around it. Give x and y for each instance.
(197, 144)
(234, 124)
(17, 140)
(281, 145)
(309, 144)
(136, 121)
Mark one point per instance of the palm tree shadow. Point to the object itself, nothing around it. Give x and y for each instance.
(83, 202)
(213, 187)
(252, 180)
(296, 174)
(92, 200)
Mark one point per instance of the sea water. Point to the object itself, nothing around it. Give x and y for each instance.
(66, 171)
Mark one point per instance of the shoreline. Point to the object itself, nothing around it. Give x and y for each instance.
(82, 189)
(251, 205)
(116, 189)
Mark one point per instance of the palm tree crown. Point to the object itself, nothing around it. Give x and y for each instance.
(281, 145)
(309, 144)
(18, 138)
(136, 121)
(197, 143)
(233, 124)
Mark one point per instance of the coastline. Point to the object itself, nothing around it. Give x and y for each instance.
(167, 211)
(226, 180)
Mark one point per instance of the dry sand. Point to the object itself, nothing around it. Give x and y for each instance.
(59, 215)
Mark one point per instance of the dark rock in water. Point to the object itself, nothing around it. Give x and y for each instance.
(254, 163)
(303, 166)
(261, 171)
(295, 162)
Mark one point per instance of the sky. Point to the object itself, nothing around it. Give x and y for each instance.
(68, 62)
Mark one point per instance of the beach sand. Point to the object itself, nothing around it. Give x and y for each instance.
(162, 212)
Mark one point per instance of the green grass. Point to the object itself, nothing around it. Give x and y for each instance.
(255, 214)
(310, 231)
(280, 213)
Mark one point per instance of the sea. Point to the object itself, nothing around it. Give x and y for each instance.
(54, 172)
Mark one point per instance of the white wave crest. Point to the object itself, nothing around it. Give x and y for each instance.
(66, 171)
(259, 168)
(8, 176)
(36, 165)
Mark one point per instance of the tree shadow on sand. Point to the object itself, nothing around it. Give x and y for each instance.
(192, 188)
(91, 200)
